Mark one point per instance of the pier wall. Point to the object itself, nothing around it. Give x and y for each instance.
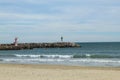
(37, 45)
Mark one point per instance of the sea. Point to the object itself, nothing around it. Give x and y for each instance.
(102, 54)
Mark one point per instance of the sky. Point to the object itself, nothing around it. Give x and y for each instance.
(48, 20)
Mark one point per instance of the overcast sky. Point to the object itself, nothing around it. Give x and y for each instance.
(48, 20)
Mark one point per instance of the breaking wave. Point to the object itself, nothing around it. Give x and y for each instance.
(62, 60)
(60, 56)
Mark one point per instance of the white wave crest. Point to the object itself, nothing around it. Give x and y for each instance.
(45, 56)
(95, 60)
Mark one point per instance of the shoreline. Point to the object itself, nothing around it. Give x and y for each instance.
(53, 66)
(56, 72)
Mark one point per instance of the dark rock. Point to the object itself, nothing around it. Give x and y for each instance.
(37, 45)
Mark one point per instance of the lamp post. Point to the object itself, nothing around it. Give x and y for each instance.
(61, 39)
(16, 42)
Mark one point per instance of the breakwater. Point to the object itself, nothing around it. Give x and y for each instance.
(22, 46)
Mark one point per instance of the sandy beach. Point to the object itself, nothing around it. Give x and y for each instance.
(56, 72)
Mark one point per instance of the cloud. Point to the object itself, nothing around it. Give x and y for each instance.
(85, 20)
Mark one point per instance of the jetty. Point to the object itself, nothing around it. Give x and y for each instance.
(22, 46)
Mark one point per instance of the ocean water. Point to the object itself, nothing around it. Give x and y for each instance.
(89, 54)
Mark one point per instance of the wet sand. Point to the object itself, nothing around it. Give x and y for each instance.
(56, 72)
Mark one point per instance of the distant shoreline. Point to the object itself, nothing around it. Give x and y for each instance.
(98, 42)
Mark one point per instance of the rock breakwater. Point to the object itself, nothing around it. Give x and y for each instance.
(22, 46)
